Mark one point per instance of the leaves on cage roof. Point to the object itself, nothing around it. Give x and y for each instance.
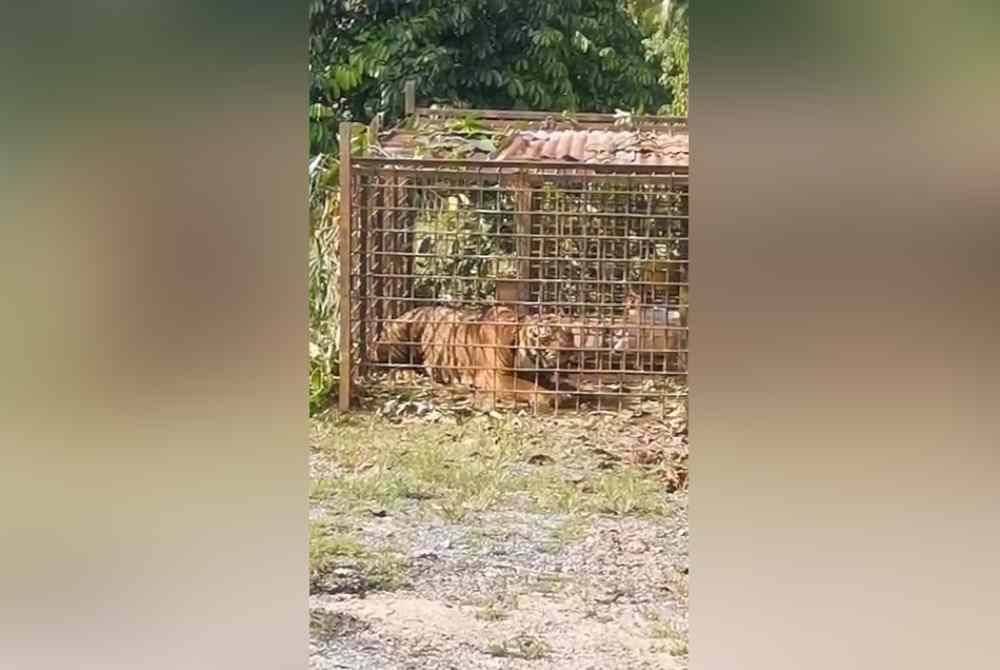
(556, 138)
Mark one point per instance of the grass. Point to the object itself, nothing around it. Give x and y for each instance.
(327, 546)
(669, 633)
(625, 491)
(677, 582)
(485, 539)
(493, 608)
(525, 647)
(329, 626)
(548, 584)
(478, 466)
(330, 549)
(572, 529)
(498, 608)
(492, 613)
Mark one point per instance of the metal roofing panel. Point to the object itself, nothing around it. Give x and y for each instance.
(627, 147)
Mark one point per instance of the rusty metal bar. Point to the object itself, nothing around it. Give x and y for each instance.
(537, 171)
(525, 115)
(579, 169)
(366, 267)
(344, 221)
(530, 303)
(418, 254)
(522, 227)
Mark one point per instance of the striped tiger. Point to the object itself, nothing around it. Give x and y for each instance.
(495, 350)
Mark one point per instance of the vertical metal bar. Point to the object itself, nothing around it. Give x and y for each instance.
(345, 266)
(378, 260)
(408, 285)
(366, 186)
(389, 242)
(408, 239)
(522, 228)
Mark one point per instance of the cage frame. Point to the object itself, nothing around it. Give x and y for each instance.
(352, 210)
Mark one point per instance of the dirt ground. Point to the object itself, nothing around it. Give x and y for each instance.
(450, 540)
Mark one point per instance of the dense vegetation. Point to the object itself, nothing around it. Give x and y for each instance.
(574, 55)
(578, 55)
(666, 24)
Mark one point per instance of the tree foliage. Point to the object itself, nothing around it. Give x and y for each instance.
(675, 67)
(666, 24)
(505, 54)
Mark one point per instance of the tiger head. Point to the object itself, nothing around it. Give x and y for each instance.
(547, 343)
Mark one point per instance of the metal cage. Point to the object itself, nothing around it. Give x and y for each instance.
(598, 250)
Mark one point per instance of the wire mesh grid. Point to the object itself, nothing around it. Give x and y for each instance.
(555, 289)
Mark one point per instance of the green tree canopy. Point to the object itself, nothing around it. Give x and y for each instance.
(584, 55)
(665, 22)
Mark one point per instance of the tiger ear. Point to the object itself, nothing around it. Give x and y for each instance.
(632, 299)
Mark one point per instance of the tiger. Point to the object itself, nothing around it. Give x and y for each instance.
(513, 356)
(650, 330)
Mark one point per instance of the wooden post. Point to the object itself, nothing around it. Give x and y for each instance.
(409, 97)
(374, 128)
(345, 266)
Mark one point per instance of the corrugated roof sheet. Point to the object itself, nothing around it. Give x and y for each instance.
(626, 147)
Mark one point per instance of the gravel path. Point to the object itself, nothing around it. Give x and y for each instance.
(509, 588)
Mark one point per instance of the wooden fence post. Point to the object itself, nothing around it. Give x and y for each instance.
(409, 97)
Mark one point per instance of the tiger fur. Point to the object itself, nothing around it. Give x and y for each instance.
(496, 350)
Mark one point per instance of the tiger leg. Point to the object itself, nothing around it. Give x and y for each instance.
(511, 387)
(558, 382)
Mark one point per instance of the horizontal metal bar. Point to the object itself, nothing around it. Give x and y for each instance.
(532, 281)
(573, 349)
(495, 165)
(549, 184)
(509, 258)
(534, 115)
(439, 179)
(661, 187)
(423, 233)
(584, 196)
(624, 375)
(474, 304)
(609, 379)
(525, 303)
(564, 214)
(624, 394)
(647, 329)
(540, 372)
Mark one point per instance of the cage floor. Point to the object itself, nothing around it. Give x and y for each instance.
(414, 392)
